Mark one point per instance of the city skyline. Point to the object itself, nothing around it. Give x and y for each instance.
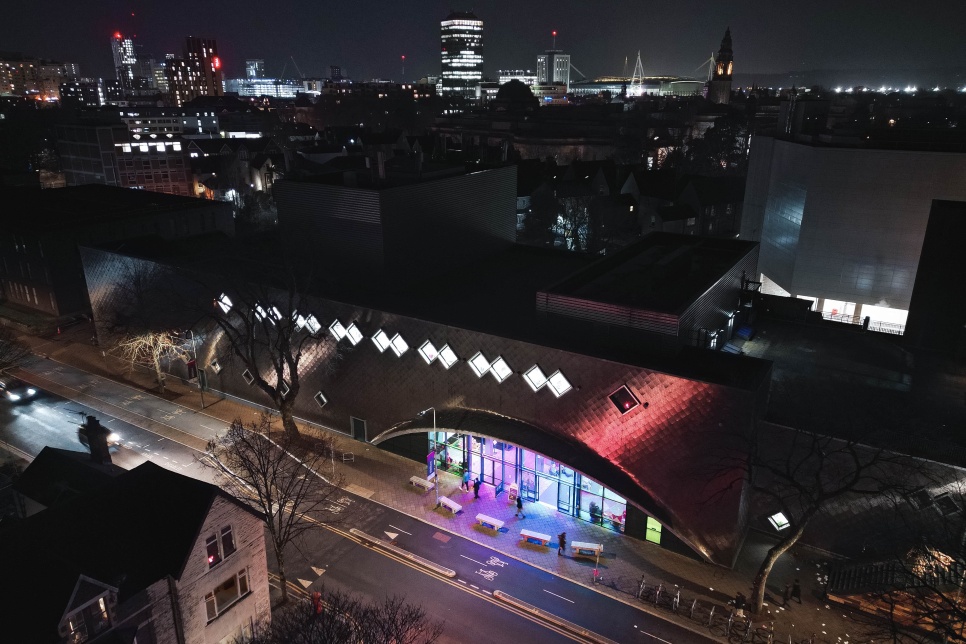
(368, 38)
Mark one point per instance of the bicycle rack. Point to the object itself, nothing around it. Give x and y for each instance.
(657, 593)
(676, 602)
(710, 615)
(640, 590)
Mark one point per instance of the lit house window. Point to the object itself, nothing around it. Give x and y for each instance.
(428, 352)
(447, 357)
(220, 546)
(535, 377)
(479, 364)
(558, 384)
(222, 597)
(399, 345)
(381, 340)
(500, 369)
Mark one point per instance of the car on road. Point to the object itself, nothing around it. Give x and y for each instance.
(16, 390)
(113, 439)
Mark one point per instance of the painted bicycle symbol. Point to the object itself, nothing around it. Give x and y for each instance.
(494, 561)
(488, 575)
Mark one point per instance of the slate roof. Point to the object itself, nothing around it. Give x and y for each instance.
(57, 476)
(130, 533)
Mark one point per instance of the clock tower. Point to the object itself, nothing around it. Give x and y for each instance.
(719, 85)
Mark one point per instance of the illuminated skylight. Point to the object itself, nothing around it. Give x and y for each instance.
(479, 364)
(535, 377)
(312, 324)
(500, 369)
(337, 330)
(779, 520)
(558, 384)
(215, 366)
(447, 357)
(399, 345)
(284, 389)
(247, 375)
(224, 302)
(428, 352)
(381, 340)
(320, 399)
(354, 334)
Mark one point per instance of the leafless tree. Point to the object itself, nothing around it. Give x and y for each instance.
(151, 349)
(13, 351)
(345, 619)
(280, 474)
(264, 313)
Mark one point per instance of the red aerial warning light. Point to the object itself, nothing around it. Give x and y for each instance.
(554, 34)
(404, 57)
(117, 34)
(216, 62)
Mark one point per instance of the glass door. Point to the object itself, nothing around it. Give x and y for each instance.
(565, 497)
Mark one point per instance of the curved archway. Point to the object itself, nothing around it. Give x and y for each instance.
(531, 437)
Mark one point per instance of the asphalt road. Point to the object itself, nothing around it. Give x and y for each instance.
(172, 436)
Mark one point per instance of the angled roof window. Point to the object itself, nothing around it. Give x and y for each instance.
(224, 303)
(354, 334)
(428, 351)
(399, 345)
(500, 369)
(337, 330)
(381, 340)
(535, 377)
(624, 400)
(558, 384)
(479, 364)
(447, 357)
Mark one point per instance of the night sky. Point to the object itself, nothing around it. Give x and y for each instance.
(367, 37)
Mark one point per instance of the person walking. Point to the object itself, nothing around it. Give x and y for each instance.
(786, 594)
(465, 485)
(519, 511)
(476, 488)
(797, 591)
(561, 543)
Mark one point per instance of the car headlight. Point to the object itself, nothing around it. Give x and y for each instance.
(31, 391)
(113, 437)
(12, 396)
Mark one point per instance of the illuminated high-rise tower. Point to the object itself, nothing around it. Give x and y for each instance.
(461, 43)
(197, 74)
(125, 60)
(719, 87)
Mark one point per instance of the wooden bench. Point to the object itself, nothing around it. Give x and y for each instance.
(450, 504)
(584, 549)
(426, 484)
(535, 537)
(489, 522)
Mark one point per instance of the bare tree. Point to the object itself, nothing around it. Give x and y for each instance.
(342, 618)
(13, 351)
(151, 349)
(280, 474)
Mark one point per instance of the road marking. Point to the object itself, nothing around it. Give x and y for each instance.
(318, 571)
(392, 535)
(400, 529)
(476, 587)
(461, 581)
(556, 595)
(473, 560)
(211, 428)
(305, 584)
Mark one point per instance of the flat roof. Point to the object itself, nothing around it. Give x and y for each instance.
(496, 295)
(76, 206)
(662, 272)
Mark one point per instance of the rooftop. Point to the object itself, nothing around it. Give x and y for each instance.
(78, 206)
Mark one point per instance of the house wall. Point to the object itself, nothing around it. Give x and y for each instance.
(197, 579)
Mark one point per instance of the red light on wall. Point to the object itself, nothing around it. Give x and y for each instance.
(216, 62)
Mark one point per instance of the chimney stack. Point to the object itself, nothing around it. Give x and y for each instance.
(97, 440)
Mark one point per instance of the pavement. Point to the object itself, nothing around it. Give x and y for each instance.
(383, 477)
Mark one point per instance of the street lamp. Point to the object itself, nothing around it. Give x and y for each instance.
(436, 467)
(194, 350)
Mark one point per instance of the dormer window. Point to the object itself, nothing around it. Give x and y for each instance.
(220, 546)
(88, 622)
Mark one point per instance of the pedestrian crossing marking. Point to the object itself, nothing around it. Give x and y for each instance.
(305, 584)
(392, 535)
(318, 571)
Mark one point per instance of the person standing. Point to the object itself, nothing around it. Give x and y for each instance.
(465, 485)
(561, 543)
(797, 591)
(786, 594)
(476, 488)
(519, 511)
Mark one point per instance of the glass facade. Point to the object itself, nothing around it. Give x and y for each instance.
(461, 38)
(539, 479)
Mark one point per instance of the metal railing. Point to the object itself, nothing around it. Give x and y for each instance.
(876, 326)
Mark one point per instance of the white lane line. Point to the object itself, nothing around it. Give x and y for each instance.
(400, 529)
(473, 560)
(206, 427)
(476, 587)
(556, 595)
(487, 592)
(461, 581)
(652, 636)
